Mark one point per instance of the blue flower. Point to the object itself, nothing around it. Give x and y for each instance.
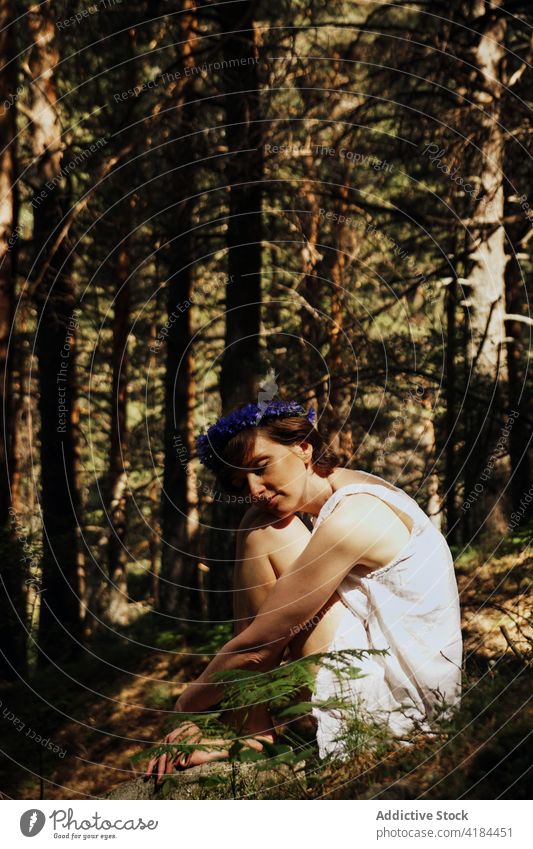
(210, 445)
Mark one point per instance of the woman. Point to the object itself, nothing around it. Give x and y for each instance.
(374, 573)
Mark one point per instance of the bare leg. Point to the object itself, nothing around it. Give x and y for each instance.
(263, 560)
(262, 557)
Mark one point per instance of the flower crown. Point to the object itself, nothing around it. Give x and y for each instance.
(210, 445)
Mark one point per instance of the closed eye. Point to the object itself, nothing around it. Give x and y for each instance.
(239, 486)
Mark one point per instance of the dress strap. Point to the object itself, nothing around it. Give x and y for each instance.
(396, 497)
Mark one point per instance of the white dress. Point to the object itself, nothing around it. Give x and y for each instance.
(409, 607)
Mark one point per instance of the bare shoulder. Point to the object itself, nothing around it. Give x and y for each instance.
(261, 531)
(256, 517)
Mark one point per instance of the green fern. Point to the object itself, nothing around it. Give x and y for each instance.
(278, 688)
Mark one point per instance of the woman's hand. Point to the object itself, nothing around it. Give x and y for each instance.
(164, 764)
(211, 749)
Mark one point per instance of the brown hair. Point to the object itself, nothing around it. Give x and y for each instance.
(292, 430)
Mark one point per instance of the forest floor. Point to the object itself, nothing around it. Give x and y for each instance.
(100, 712)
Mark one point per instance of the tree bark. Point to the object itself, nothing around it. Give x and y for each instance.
(114, 599)
(177, 586)
(487, 259)
(60, 625)
(178, 590)
(311, 338)
(240, 371)
(240, 363)
(428, 444)
(340, 396)
(12, 614)
(520, 432)
(8, 240)
(450, 424)
(153, 489)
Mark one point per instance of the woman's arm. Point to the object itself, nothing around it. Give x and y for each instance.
(334, 548)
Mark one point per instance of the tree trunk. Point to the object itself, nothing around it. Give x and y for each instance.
(12, 615)
(340, 396)
(240, 372)
(153, 489)
(428, 444)
(520, 431)
(60, 625)
(178, 569)
(178, 580)
(8, 240)
(487, 262)
(311, 337)
(240, 363)
(178, 592)
(450, 424)
(115, 607)
(487, 257)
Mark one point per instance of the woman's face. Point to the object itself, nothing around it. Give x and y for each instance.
(278, 475)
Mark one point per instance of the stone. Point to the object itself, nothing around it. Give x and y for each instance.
(220, 781)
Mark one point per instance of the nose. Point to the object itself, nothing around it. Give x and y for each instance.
(255, 486)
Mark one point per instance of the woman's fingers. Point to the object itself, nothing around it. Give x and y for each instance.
(151, 766)
(186, 729)
(190, 733)
(182, 759)
(166, 762)
(162, 765)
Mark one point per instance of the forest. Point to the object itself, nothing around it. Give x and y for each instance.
(207, 203)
